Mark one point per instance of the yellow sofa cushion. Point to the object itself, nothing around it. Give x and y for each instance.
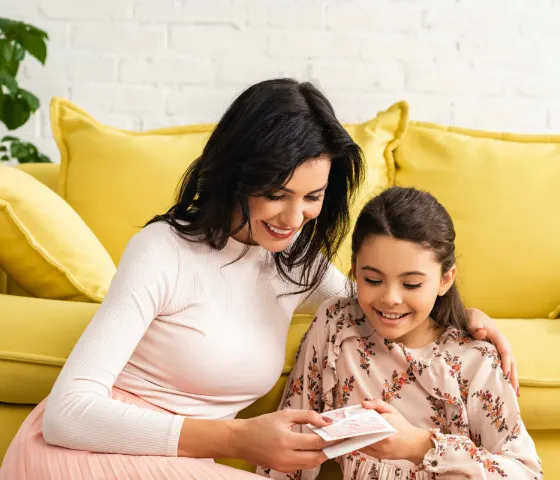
(502, 193)
(117, 180)
(45, 246)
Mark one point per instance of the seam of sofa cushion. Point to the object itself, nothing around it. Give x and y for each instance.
(487, 134)
(32, 358)
(59, 362)
(539, 382)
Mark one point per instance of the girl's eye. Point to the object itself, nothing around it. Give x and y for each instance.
(274, 197)
(371, 281)
(412, 286)
(314, 198)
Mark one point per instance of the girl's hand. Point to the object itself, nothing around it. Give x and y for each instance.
(482, 327)
(409, 443)
(268, 440)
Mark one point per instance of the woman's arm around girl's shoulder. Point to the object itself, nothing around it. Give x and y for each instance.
(498, 444)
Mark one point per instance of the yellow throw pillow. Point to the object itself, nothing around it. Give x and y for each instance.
(45, 247)
(502, 193)
(378, 138)
(117, 180)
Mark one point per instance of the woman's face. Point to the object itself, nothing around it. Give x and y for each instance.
(277, 217)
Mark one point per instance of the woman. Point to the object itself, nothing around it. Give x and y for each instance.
(194, 326)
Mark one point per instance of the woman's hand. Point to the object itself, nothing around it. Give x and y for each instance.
(409, 443)
(268, 440)
(482, 327)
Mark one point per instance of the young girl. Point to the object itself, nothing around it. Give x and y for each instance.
(402, 349)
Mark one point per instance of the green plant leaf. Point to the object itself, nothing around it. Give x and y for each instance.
(6, 52)
(17, 149)
(7, 25)
(11, 54)
(19, 52)
(23, 152)
(16, 112)
(9, 81)
(31, 99)
(37, 31)
(31, 38)
(35, 44)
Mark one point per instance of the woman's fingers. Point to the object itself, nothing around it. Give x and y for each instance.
(309, 441)
(301, 461)
(303, 417)
(479, 333)
(505, 350)
(514, 378)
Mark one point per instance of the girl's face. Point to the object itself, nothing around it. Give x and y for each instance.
(275, 219)
(398, 283)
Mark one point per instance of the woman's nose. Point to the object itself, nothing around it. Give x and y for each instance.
(293, 216)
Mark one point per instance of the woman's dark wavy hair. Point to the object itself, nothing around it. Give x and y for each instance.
(416, 216)
(268, 131)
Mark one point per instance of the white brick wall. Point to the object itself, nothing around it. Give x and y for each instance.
(141, 64)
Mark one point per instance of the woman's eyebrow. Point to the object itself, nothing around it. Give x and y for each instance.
(314, 191)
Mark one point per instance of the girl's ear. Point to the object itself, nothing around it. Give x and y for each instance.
(447, 280)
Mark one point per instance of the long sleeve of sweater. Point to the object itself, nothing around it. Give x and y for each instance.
(80, 412)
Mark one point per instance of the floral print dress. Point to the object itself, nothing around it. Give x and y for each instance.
(453, 387)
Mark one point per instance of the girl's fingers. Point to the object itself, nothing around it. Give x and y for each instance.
(378, 405)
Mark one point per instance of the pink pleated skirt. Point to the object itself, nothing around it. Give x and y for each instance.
(29, 457)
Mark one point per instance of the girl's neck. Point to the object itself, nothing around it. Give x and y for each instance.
(422, 335)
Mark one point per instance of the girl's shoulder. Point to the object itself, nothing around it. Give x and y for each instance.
(343, 317)
(339, 307)
(474, 354)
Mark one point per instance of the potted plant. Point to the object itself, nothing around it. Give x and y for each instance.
(18, 39)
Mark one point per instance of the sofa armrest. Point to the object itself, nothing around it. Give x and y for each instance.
(36, 337)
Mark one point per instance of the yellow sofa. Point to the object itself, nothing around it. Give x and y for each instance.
(37, 334)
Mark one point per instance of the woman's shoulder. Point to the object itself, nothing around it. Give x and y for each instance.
(159, 243)
(155, 237)
(161, 236)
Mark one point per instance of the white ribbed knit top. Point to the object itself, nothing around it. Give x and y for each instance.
(182, 330)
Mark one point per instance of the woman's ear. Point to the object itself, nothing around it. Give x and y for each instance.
(447, 280)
